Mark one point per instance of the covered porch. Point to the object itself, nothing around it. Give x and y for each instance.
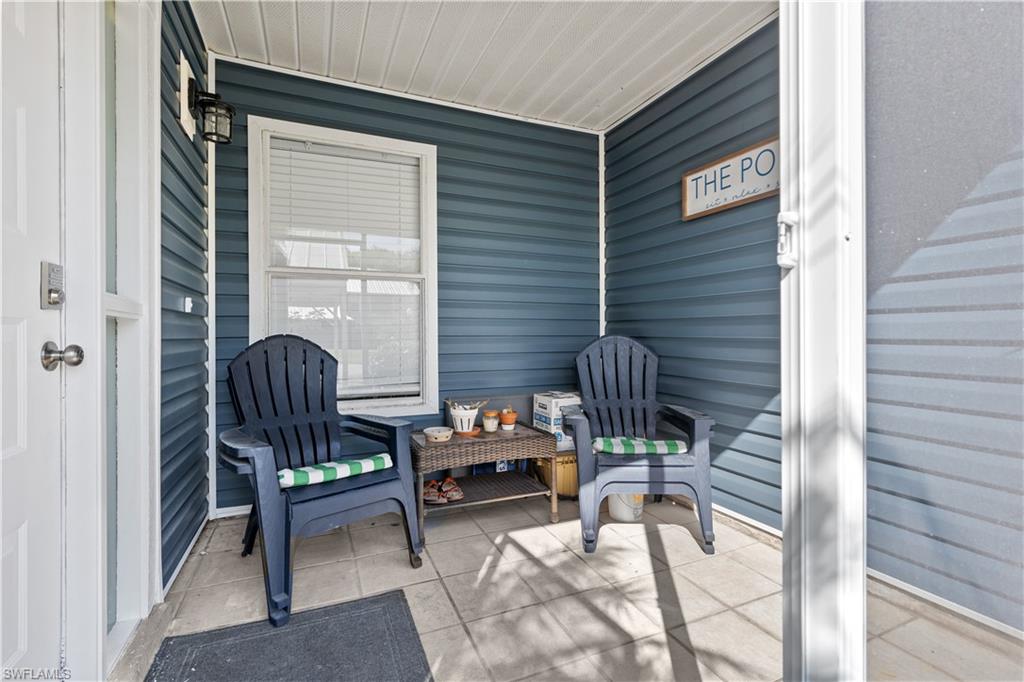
(770, 254)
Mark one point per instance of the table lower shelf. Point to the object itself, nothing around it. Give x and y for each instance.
(485, 488)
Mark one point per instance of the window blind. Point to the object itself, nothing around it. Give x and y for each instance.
(371, 326)
(343, 208)
(344, 261)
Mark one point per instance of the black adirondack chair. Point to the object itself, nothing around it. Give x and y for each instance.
(284, 390)
(618, 379)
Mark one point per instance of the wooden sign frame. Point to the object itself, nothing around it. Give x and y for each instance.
(717, 162)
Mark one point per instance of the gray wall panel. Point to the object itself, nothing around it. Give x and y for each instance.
(945, 211)
(705, 293)
(517, 236)
(183, 394)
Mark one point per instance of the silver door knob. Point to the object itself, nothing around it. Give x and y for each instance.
(51, 355)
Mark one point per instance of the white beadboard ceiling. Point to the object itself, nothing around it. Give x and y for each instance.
(581, 64)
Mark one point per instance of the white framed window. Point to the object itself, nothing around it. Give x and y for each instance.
(343, 251)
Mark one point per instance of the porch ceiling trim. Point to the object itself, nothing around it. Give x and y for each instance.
(579, 66)
(216, 56)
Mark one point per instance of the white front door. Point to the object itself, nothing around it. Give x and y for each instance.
(32, 428)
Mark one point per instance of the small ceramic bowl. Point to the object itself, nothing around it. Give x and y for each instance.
(438, 434)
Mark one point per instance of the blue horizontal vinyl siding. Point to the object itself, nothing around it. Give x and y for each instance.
(945, 325)
(517, 235)
(704, 294)
(183, 263)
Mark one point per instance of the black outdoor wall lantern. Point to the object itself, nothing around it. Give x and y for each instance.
(215, 114)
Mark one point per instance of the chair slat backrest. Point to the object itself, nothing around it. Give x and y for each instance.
(618, 384)
(284, 389)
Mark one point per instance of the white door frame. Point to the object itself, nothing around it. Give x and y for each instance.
(90, 652)
(82, 216)
(823, 340)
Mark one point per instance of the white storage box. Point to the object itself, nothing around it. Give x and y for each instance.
(547, 414)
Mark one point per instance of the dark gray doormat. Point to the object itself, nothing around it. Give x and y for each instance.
(367, 639)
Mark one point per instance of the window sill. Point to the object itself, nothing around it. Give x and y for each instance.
(422, 408)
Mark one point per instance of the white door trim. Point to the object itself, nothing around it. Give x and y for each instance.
(823, 341)
(151, 215)
(211, 306)
(602, 265)
(83, 230)
(136, 307)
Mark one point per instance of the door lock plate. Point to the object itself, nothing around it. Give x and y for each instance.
(786, 253)
(51, 286)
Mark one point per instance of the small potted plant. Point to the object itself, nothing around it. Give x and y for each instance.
(464, 416)
(508, 418)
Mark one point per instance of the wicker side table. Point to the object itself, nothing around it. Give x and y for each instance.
(524, 442)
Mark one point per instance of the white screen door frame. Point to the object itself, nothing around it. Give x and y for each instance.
(822, 251)
(136, 309)
(83, 213)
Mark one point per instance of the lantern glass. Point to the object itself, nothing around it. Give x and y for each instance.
(217, 121)
(224, 124)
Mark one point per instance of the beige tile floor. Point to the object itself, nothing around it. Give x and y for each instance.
(505, 595)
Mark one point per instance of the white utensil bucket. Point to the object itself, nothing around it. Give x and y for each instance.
(462, 420)
(626, 508)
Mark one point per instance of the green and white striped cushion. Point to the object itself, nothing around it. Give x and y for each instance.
(332, 471)
(638, 446)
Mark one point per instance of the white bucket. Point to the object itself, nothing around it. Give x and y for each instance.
(462, 420)
(626, 508)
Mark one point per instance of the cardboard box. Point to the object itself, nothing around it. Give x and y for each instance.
(547, 414)
(567, 484)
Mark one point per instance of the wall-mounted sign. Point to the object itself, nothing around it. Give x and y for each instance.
(748, 175)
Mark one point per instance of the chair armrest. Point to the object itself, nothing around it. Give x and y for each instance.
(394, 433)
(379, 422)
(238, 451)
(576, 421)
(695, 424)
(380, 429)
(247, 455)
